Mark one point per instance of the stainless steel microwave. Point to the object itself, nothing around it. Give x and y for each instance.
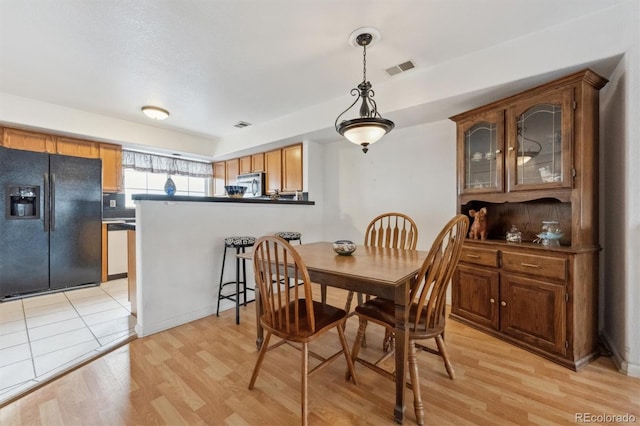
(254, 182)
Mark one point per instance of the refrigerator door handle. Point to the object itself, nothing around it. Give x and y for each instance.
(52, 212)
(47, 208)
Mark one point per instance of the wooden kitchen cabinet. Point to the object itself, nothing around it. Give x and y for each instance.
(232, 169)
(77, 147)
(529, 158)
(245, 164)
(257, 163)
(104, 251)
(28, 141)
(111, 156)
(292, 168)
(273, 170)
(219, 177)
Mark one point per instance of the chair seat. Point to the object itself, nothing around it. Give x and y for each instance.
(237, 242)
(325, 316)
(383, 311)
(289, 235)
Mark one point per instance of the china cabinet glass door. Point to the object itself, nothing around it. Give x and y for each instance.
(482, 159)
(539, 143)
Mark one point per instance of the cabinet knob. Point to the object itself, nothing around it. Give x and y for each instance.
(511, 148)
(503, 303)
(498, 151)
(492, 300)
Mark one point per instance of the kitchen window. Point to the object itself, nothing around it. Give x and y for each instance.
(136, 182)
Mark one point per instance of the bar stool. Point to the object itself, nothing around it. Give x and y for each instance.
(289, 236)
(240, 244)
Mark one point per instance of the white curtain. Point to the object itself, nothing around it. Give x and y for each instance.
(145, 162)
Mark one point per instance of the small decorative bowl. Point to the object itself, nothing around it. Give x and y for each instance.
(235, 191)
(344, 247)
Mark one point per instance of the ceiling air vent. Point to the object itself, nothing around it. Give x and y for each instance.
(397, 69)
(241, 124)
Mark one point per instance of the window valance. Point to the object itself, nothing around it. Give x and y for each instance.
(145, 162)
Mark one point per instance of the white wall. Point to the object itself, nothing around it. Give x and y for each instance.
(179, 249)
(620, 204)
(410, 170)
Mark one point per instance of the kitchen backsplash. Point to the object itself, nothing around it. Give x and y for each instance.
(113, 206)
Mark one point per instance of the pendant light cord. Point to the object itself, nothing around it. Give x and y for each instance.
(364, 63)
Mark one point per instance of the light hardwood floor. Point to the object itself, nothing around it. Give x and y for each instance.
(198, 373)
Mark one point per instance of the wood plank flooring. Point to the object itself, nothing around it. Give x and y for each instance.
(198, 373)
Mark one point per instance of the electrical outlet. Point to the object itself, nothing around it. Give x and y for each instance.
(112, 203)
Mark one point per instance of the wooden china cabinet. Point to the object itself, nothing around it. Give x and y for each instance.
(530, 158)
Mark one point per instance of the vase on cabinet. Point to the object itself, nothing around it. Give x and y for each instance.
(169, 186)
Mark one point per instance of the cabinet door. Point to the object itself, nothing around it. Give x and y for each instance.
(292, 168)
(232, 168)
(111, 156)
(475, 295)
(533, 311)
(539, 141)
(28, 141)
(245, 164)
(273, 169)
(257, 162)
(219, 173)
(481, 153)
(77, 147)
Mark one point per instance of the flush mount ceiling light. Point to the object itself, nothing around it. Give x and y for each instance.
(369, 127)
(155, 113)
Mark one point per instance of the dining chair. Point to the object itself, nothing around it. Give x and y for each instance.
(393, 230)
(427, 314)
(290, 313)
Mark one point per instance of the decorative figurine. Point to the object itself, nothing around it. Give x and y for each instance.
(479, 226)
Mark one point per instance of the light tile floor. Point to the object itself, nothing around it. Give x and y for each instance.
(43, 336)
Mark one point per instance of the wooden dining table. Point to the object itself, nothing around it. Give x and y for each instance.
(381, 272)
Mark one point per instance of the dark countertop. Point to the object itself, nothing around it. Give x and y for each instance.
(158, 197)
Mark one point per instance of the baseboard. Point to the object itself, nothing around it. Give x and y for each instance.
(623, 366)
(148, 329)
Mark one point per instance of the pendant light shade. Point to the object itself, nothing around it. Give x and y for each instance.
(369, 126)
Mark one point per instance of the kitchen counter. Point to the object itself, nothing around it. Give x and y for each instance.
(179, 245)
(179, 198)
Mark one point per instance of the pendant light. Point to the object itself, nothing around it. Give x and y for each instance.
(369, 127)
(527, 148)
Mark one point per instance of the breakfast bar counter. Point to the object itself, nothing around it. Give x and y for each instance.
(179, 244)
(260, 200)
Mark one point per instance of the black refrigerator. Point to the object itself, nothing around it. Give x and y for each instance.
(50, 222)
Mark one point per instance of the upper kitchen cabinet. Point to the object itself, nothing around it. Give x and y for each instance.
(232, 169)
(29, 141)
(273, 169)
(257, 163)
(245, 164)
(111, 156)
(77, 147)
(292, 168)
(219, 176)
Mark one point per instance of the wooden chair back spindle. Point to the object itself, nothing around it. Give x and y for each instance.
(275, 262)
(392, 230)
(429, 293)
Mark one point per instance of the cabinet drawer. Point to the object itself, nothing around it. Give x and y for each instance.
(531, 264)
(479, 256)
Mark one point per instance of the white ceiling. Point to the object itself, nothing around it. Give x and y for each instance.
(214, 63)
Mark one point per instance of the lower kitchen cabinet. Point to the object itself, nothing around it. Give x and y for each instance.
(542, 299)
